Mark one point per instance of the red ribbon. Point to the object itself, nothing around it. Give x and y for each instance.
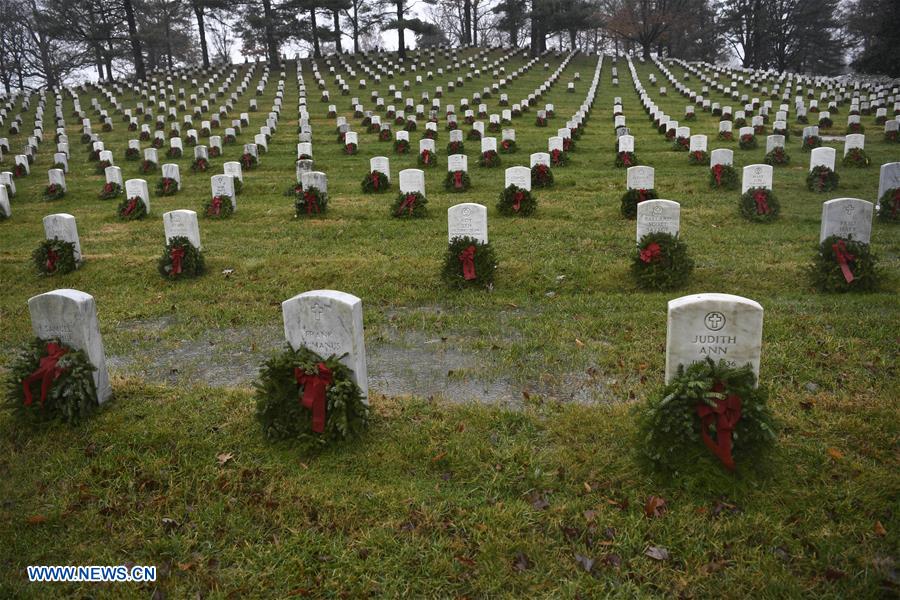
(426, 157)
(129, 208)
(650, 253)
(408, 204)
(843, 259)
(458, 179)
(375, 181)
(698, 155)
(467, 258)
(167, 183)
(176, 254)
(726, 413)
(312, 205)
(47, 372)
(895, 206)
(762, 206)
(313, 398)
(642, 195)
(717, 173)
(52, 257)
(108, 188)
(517, 201)
(626, 159)
(216, 205)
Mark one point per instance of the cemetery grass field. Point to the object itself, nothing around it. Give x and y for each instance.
(541, 494)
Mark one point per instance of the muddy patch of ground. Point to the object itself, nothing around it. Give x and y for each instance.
(407, 363)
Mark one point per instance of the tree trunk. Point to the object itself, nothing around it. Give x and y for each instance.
(646, 51)
(315, 33)
(572, 38)
(355, 29)
(201, 29)
(535, 29)
(467, 22)
(99, 58)
(136, 53)
(336, 18)
(401, 30)
(271, 43)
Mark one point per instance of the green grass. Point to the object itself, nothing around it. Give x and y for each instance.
(442, 499)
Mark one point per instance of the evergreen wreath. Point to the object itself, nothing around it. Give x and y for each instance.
(350, 149)
(457, 181)
(844, 265)
(54, 191)
(93, 155)
(726, 136)
(681, 144)
(740, 122)
(889, 206)
(474, 135)
(810, 142)
(723, 177)
(311, 202)
(822, 179)
(99, 169)
(173, 152)
(516, 202)
(156, 143)
(300, 395)
(825, 122)
(385, 135)
(856, 157)
(166, 186)
(48, 380)
(375, 182)
(759, 130)
(451, 125)
(410, 125)
(489, 159)
(430, 134)
(540, 121)
(230, 138)
(215, 151)
(674, 425)
(698, 158)
(427, 158)
(631, 198)
(748, 142)
(132, 209)
(508, 146)
(626, 159)
(181, 259)
(856, 128)
(892, 137)
(110, 190)
(248, 161)
(218, 207)
(455, 148)
(200, 165)
(55, 256)
(401, 146)
(661, 262)
(558, 158)
(148, 166)
(760, 205)
(777, 157)
(568, 144)
(541, 176)
(238, 185)
(409, 205)
(469, 263)
(132, 154)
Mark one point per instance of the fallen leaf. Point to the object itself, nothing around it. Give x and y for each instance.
(612, 560)
(657, 553)
(169, 524)
(834, 574)
(466, 561)
(185, 566)
(713, 566)
(36, 519)
(461, 427)
(579, 343)
(835, 453)
(438, 457)
(880, 531)
(655, 507)
(585, 562)
(539, 501)
(521, 562)
(806, 405)
(590, 515)
(587, 487)
(224, 457)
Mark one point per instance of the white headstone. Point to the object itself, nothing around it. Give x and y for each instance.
(315, 179)
(137, 188)
(639, 178)
(488, 144)
(182, 223)
(457, 162)
(822, 156)
(698, 143)
(756, 176)
(223, 185)
(114, 175)
(849, 218)
(381, 164)
(234, 169)
(467, 220)
(61, 226)
(171, 171)
(71, 317)
(540, 158)
(854, 140)
(412, 180)
(658, 216)
(888, 178)
(519, 177)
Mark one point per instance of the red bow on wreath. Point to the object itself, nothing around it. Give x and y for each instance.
(717, 173)
(555, 155)
(505, 144)
(216, 206)
(426, 157)
(626, 159)
(650, 253)
(47, 372)
(52, 257)
(843, 259)
(408, 204)
(726, 413)
(314, 387)
(108, 188)
(167, 183)
(175, 255)
(312, 205)
(895, 205)
(458, 179)
(375, 180)
(762, 204)
(467, 258)
(642, 194)
(129, 208)
(517, 201)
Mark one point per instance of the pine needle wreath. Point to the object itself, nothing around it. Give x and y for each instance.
(174, 152)
(132, 154)
(457, 181)
(760, 205)
(777, 157)
(148, 166)
(156, 143)
(631, 198)
(698, 158)
(375, 183)
(661, 262)
(279, 399)
(822, 179)
(455, 148)
(200, 165)
(409, 205)
(508, 146)
(559, 158)
(132, 209)
(892, 137)
(844, 265)
(93, 155)
(469, 263)
(856, 157)
(889, 206)
(569, 144)
(248, 161)
(166, 186)
(311, 202)
(350, 149)
(401, 146)
(427, 158)
(410, 125)
(857, 128)
(625, 159)
(430, 134)
(825, 122)
(723, 177)
(54, 191)
(110, 190)
(180, 259)
(540, 122)
(516, 202)
(385, 135)
(541, 176)
(489, 159)
(99, 169)
(55, 256)
(681, 144)
(71, 394)
(474, 135)
(810, 142)
(726, 136)
(218, 207)
(748, 142)
(215, 151)
(670, 428)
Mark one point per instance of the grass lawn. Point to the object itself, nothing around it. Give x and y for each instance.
(538, 491)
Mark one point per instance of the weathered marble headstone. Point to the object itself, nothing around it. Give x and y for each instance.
(457, 162)
(626, 143)
(519, 177)
(233, 168)
(137, 188)
(412, 180)
(381, 164)
(315, 179)
(849, 218)
(716, 326)
(114, 175)
(182, 223)
(822, 156)
(721, 156)
(5, 209)
(467, 220)
(171, 171)
(756, 176)
(329, 323)
(854, 140)
(639, 178)
(697, 143)
(888, 178)
(61, 226)
(57, 177)
(774, 141)
(71, 317)
(223, 185)
(655, 216)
